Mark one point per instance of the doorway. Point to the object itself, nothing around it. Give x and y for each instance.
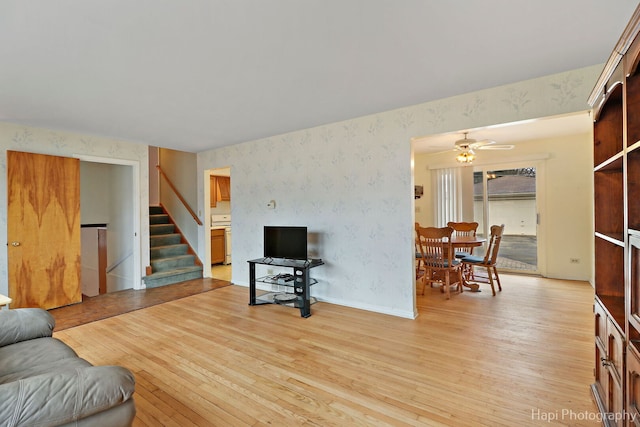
(110, 195)
(510, 195)
(218, 235)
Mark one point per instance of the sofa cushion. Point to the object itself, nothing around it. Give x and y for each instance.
(59, 398)
(25, 324)
(62, 365)
(25, 355)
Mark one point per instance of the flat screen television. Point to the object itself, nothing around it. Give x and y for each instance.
(285, 242)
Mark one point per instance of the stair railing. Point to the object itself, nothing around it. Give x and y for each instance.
(115, 265)
(177, 193)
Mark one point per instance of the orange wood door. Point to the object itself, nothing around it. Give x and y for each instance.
(43, 230)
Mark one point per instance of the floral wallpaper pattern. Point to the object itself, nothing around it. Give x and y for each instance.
(351, 184)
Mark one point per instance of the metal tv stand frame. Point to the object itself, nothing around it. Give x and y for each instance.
(300, 284)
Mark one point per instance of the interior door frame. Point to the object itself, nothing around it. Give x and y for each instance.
(135, 204)
(539, 164)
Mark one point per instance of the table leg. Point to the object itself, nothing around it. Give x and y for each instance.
(473, 287)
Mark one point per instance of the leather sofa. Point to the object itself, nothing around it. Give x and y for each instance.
(43, 382)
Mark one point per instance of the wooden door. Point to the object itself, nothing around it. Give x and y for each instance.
(43, 230)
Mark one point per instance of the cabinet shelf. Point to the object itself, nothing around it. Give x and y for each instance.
(608, 189)
(615, 307)
(608, 129)
(612, 164)
(609, 270)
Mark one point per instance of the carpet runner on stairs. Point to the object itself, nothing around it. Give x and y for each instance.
(170, 260)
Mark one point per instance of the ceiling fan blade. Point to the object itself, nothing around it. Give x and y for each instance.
(450, 150)
(482, 143)
(495, 147)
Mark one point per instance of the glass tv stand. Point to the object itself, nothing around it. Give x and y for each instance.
(299, 282)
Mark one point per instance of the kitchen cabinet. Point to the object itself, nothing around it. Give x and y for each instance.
(217, 246)
(220, 189)
(224, 188)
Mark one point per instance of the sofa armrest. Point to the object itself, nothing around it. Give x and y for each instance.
(59, 398)
(24, 324)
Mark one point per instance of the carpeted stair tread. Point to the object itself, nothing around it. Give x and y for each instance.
(156, 210)
(170, 262)
(163, 264)
(156, 229)
(182, 274)
(168, 251)
(158, 219)
(164, 239)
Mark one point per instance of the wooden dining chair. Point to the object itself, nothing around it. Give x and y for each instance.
(419, 254)
(464, 229)
(437, 258)
(488, 262)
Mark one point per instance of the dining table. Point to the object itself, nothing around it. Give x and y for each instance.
(459, 242)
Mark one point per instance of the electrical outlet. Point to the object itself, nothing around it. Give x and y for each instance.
(574, 260)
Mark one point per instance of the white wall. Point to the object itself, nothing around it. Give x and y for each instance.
(94, 185)
(120, 231)
(352, 184)
(567, 207)
(179, 167)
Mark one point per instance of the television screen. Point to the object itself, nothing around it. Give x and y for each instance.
(285, 242)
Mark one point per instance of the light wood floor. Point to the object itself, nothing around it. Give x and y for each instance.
(516, 359)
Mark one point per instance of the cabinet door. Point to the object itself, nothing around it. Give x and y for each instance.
(633, 385)
(213, 191)
(615, 358)
(601, 325)
(634, 247)
(615, 350)
(602, 377)
(224, 186)
(217, 246)
(616, 401)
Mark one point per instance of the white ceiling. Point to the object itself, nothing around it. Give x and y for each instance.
(509, 133)
(198, 74)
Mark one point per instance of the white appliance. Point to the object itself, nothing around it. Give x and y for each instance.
(223, 222)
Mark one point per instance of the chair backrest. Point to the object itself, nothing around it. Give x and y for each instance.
(464, 228)
(467, 229)
(435, 245)
(491, 256)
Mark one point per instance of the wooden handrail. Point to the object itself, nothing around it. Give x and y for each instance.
(175, 190)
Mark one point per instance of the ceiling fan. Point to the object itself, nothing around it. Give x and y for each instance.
(466, 147)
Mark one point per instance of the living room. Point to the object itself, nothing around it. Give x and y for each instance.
(350, 181)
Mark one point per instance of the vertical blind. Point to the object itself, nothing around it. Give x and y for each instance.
(448, 203)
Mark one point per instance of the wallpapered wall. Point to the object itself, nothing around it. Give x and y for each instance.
(35, 140)
(351, 184)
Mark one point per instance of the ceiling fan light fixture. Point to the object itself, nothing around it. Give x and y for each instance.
(466, 156)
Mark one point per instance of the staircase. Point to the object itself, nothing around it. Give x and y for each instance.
(171, 261)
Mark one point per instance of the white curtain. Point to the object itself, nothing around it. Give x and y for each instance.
(448, 191)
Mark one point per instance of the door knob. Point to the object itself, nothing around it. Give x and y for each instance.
(15, 243)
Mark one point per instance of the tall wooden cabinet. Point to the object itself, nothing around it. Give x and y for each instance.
(616, 180)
